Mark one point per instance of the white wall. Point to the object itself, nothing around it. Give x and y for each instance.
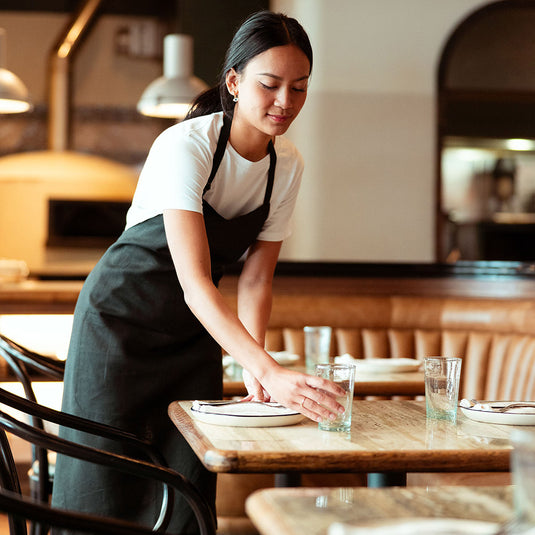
(367, 131)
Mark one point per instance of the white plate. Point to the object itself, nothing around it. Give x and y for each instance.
(410, 526)
(245, 414)
(382, 365)
(512, 417)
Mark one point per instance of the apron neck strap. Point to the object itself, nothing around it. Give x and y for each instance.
(271, 172)
(219, 151)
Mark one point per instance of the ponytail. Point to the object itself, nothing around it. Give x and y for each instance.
(206, 103)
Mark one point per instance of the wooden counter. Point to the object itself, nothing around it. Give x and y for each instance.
(471, 280)
(39, 297)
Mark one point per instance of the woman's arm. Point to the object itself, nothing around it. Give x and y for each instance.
(254, 287)
(188, 244)
(254, 299)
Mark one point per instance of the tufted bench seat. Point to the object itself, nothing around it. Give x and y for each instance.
(495, 337)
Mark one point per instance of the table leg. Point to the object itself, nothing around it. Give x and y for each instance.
(288, 479)
(384, 479)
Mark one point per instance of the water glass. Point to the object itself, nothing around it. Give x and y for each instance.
(523, 476)
(343, 375)
(317, 346)
(442, 378)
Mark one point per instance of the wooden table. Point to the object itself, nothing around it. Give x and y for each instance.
(310, 511)
(387, 436)
(370, 384)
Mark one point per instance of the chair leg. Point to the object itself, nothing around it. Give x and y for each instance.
(34, 493)
(35, 527)
(38, 529)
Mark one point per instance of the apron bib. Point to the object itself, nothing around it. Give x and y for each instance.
(135, 347)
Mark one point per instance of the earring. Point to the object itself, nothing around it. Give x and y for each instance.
(235, 99)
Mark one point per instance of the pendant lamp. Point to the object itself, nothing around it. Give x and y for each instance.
(14, 97)
(171, 95)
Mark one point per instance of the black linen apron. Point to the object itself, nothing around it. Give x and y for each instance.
(135, 347)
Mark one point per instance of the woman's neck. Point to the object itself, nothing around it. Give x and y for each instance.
(252, 145)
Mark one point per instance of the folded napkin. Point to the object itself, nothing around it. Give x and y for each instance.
(243, 408)
(346, 358)
(284, 357)
(410, 526)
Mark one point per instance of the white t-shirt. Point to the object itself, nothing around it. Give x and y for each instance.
(180, 161)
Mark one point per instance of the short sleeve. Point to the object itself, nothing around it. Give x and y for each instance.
(175, 173)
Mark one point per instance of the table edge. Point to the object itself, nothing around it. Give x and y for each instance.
(221, 461)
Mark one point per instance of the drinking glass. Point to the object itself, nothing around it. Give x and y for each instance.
(317, 346)
(343, 375)
(442, 377)
(523, 476)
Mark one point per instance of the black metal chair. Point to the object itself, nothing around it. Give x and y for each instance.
(48, 367)
(12, 502)
(28, 365)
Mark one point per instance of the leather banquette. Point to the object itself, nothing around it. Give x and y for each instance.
(495, 337)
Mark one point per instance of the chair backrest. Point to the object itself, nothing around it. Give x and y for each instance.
(25, 363)
(155, 471)
(19, 509)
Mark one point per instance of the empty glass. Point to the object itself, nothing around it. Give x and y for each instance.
(442, 377)
(317, 346)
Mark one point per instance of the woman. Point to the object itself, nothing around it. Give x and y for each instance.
(150, 322)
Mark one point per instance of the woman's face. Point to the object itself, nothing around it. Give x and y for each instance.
(271, 90)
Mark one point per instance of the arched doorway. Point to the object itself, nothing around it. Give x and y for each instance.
(486, 136)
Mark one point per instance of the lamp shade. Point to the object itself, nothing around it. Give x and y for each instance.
(14, 97)
(171, 95)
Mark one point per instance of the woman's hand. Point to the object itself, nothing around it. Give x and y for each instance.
(312, 396)
(254, 388)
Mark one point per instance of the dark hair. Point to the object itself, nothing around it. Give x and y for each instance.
(260, 32)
